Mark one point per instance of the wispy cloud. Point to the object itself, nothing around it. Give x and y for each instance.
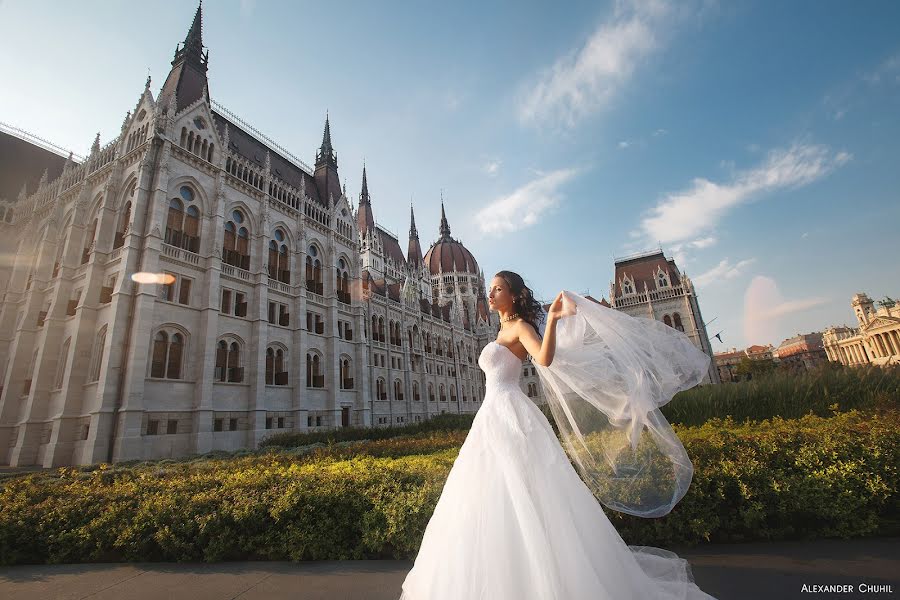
(587, 79)
(723, 271)
(696, 210)
(524, 206)
(492, 166)
(764, 306)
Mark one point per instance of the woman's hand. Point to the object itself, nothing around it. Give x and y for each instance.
(562, 306)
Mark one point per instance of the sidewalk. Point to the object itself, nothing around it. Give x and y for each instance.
(754, 571)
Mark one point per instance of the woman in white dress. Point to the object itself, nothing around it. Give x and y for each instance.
(514, 520)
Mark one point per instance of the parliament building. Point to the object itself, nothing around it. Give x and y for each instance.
(192, 286)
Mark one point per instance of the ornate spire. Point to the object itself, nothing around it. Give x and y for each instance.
(95, 147)
(187, 79)
(365, 220)
(413, 250)
(193, 42)
(326, 155)
(364, 194)
(445, 226)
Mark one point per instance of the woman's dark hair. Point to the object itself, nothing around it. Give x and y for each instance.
(524, 302)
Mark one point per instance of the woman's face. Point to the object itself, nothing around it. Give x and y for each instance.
(499, 296)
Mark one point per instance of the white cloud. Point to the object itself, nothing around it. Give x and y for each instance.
(624, 144)
(659, 132)
(492, 167)
(764, 306)
(524, 206)
(723, 271)
(585, 80)
(696, 210)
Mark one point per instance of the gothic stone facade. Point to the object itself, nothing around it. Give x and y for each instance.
(650, 285)
(191, 286)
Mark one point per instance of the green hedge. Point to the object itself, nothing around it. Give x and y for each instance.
(804, 478)
(788, 395)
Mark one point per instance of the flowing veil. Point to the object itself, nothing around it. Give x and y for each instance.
(609, 376)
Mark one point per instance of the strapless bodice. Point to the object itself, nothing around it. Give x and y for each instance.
(501, 367)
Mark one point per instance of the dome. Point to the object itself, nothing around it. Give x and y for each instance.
(447, 255)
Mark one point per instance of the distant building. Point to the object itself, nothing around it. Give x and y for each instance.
(727, 362)
(803, 352)
(876, 340)
(650, 285)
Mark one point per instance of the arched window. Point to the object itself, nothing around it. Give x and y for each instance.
(431, 392)
(168, 348)
(346, 372)
(677, 319)
(183, 221)
(342, 281)
(381, 329)
(89, 242)
(627, 286)
(667, 320)
(278, 258)
(228, 362)
(443, 395)
(97, 355)
(123, 225)
(314, 271)
(416, 391)
(275, 373)
(61, 364)
(314, 376)
(236, 247)
(661, 279)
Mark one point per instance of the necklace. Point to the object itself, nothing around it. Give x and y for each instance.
(509, 318)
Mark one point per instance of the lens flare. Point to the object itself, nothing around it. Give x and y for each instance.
(151, 278)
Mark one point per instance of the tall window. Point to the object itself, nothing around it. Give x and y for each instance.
(314, 375)
(346, 379)
(236, 248)
(125, 217)
(61, 364)
(275, 373)
(168, 348)
(183, 221)
(676, 318)
(89, 242)
(228, 359)
(278, 258)
(314, 271)
(97, 355)
(342, 280)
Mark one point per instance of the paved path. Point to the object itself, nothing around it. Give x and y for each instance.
(754, 571)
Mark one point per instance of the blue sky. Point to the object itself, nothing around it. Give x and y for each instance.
(758, 143)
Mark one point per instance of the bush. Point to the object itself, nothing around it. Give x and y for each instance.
(811, 477)
(789, 395)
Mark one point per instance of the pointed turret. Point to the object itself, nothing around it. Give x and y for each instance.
(414, 250)
(365, 220)
(326, 152)
(326, 175)
(187, 79)
(445, 226)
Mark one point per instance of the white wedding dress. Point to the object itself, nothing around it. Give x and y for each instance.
(516, 522)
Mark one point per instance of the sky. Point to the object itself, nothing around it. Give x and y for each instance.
(756, 143)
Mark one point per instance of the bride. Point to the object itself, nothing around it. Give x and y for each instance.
(515, 521)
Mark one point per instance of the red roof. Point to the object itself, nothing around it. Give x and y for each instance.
(643, 270)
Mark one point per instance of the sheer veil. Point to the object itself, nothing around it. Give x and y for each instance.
(610, 375)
